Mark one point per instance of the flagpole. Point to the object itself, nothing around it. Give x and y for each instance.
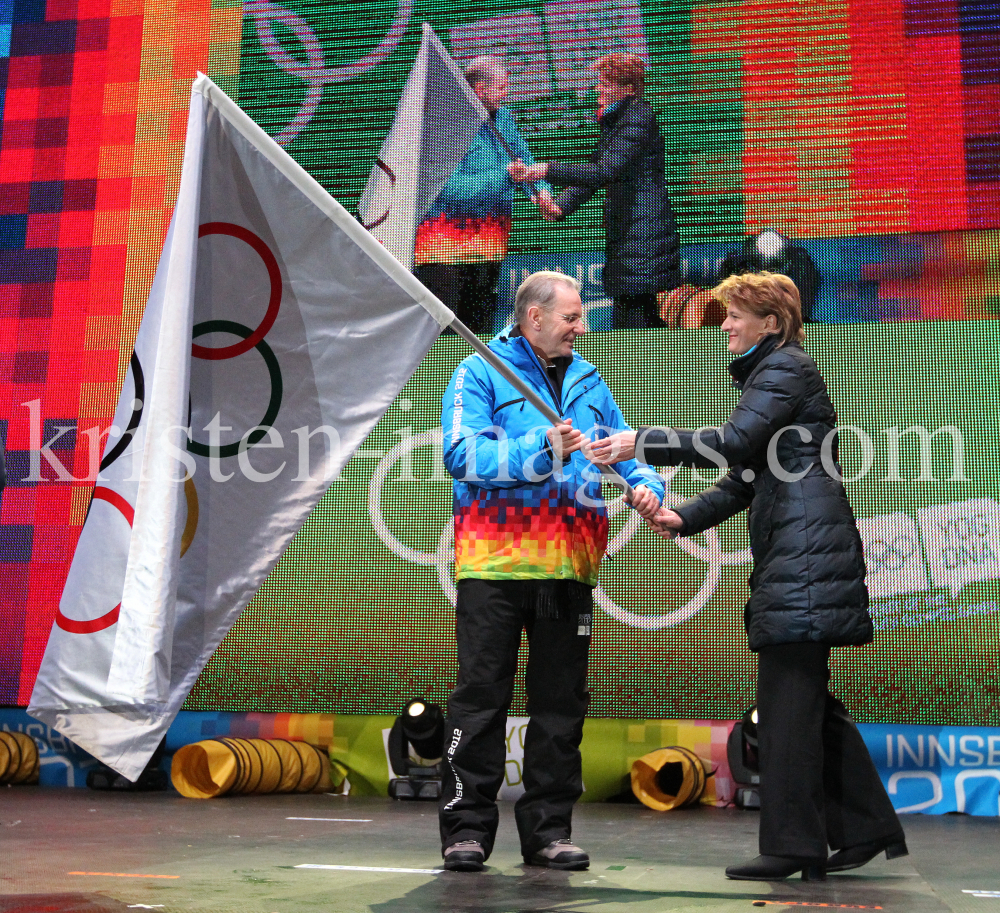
(530, 395)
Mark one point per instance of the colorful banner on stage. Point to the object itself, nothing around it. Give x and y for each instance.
(931, 770)
(938, 770)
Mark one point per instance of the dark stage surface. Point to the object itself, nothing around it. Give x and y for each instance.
(78, 850)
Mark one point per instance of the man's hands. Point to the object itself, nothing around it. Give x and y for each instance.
(611, 449)
(645, 502)
(518, 171)
(621, 446)
(564, 439)
(666, 523)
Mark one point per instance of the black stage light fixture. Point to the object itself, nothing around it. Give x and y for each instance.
(741, 751)
(771, 250)
(416, 746)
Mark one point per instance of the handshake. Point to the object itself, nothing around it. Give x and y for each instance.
(519, 172)
(565, 439)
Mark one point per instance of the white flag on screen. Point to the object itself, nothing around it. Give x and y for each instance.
(436, 121)
(276, 334)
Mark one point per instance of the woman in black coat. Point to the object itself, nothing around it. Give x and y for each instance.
(819, 786)
(642, 247)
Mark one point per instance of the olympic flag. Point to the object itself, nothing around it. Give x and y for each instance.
(276, 334)
(437, 119)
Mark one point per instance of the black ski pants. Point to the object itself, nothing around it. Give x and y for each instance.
(490, 616)
(468, 289)
(635, 312)
(818, 783)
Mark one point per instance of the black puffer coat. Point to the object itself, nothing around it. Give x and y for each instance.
(808, 581)
(642, 247)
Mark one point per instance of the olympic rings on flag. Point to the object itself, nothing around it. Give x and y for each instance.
(273, 370)
(274, 300)
(101, 493)
(93, 625)
(443, 557)
(314, 72)
(139, 397)
(191, 523)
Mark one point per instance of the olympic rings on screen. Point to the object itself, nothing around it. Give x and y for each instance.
(431, 437)
(137, 405)
(711, 554)
(443, 557)
(314, 72)
(891, 555)
(274, 300)
(273, 370)
(93, 625)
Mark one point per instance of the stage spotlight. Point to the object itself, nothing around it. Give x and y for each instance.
(770, 244)
(416, 745)
(749, 744)
(741, 751)
(771, 250)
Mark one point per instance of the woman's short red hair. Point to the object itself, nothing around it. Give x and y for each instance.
(765, 293)
(622, 69)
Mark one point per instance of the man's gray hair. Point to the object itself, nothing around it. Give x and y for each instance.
(485, 69)
(540, 288)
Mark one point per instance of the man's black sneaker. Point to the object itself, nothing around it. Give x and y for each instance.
(560, 854)
(465, 856)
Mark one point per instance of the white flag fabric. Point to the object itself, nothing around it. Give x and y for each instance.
(276, 334)
(436, 121)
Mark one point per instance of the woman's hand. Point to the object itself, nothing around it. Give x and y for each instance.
(548, 207)
(612, 449)
(667, 523)
(517, 171)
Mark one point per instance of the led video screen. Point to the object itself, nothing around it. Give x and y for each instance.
(864, 133)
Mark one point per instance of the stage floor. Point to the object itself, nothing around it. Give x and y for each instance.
(78, 851)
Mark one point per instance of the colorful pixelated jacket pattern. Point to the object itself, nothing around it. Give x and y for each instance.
(469, 222)
(515, 519)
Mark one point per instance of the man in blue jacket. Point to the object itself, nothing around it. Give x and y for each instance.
(463, 238)
(530, 531)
